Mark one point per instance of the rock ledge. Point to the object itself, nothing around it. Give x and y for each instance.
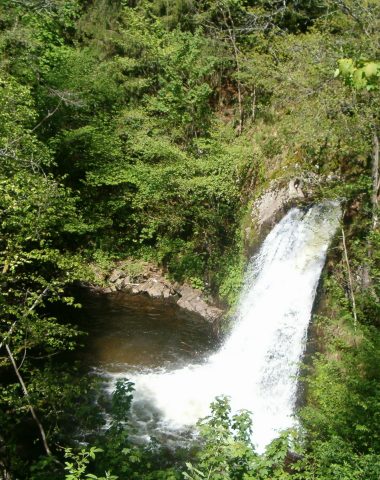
(152, 282)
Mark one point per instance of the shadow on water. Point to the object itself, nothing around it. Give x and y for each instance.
(134, 332)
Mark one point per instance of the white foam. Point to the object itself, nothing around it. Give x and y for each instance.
(258, 364)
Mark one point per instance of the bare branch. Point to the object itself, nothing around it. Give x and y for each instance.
(26, 395)
(351, 288)
(375, 180)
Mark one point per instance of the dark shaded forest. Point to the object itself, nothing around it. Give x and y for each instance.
(144, 130)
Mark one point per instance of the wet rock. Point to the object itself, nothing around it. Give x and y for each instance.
(134, 289)
(192, 300)
(110, 289)
(151, 281)
(153, 287)
(116, 275)
(295, 189)
(156, 287)
(274, 201)
(281, 195)
(125, 284)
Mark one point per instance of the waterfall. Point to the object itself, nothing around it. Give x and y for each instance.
(258, 364)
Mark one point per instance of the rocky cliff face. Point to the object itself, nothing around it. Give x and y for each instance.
(274, 202)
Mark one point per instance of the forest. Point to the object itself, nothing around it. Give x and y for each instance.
(144, 130)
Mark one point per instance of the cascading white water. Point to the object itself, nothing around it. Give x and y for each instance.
(258, 364)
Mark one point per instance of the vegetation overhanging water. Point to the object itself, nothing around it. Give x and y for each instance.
(149, 131)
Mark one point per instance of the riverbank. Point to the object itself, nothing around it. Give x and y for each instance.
(148, 279)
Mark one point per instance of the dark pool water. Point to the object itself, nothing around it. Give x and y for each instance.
(135, 332)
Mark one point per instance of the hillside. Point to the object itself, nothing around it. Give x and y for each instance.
(145, 131)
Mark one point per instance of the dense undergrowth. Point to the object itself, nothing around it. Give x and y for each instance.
(142, 129)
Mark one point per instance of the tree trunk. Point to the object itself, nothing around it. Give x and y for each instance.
(375, 181)
(31, 408)
(366, 277)
(229, 23)
(350, 282)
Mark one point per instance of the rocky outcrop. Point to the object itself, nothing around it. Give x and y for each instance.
(282, 195)
(151, 281)
(273, 203)
(192, 300)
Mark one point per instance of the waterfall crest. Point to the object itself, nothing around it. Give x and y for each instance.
(258, 364)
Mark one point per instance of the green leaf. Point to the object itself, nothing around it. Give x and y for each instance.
(346, 66)
(371, 69)
(359, 79)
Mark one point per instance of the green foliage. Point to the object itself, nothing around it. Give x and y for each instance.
(365, 75)
(140, 129)
(76, 465)
(335, 459)
(344, 396)
(342, 385)
(227, 452)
